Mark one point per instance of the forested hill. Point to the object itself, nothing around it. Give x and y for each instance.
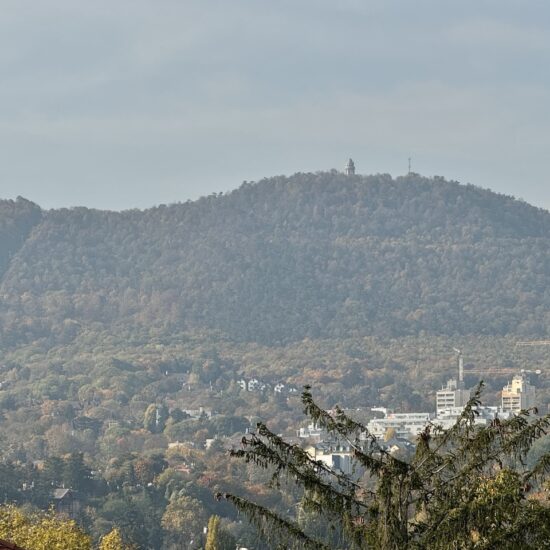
(312, 255)
(17, 218)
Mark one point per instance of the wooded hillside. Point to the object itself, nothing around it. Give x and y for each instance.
(312, 255)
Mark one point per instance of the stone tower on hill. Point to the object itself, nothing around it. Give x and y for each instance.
(350, 168)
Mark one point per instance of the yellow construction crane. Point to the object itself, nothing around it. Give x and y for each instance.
(534, 343)
(493, 370)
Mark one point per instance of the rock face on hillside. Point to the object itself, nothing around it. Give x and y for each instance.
(312, 255)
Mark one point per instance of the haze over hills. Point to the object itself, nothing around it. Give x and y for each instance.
(151, 324)
(312, 255)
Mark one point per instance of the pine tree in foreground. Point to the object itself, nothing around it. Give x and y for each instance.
(465, 487)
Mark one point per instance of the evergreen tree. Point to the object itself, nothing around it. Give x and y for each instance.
(183, 520)
(218, 538)
(213, 533)
(465, 487)
(76, 474)
(53, 471)
(154, 419)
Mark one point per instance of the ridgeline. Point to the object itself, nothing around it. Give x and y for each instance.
(320, 255)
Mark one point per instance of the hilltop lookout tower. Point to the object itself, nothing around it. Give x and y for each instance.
(350, 168)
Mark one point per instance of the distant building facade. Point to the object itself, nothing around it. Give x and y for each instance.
(404, 425)
(447, 418)
(336, 455)
(66, 502)
(519, 394)
(454, 394)
(451, 396)
(312, 431)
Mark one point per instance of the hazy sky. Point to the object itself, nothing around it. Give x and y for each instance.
(130, 103)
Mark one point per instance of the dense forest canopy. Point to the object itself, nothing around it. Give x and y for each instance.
(313, 255)
(17, 218)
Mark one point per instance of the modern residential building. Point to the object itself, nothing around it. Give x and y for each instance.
(519, 394)
(454, 394)
(403, 425)
(312, 431)
(447, 418)
(336, 455)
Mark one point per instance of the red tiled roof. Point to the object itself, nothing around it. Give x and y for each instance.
(5, 545)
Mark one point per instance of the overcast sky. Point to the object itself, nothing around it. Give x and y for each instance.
(130, 103)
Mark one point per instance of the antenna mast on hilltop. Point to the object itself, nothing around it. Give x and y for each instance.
(409, 173)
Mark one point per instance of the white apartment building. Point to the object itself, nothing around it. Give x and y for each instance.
(405, 425)
(313, 431)
(448, 417)
(338, 456)
(453, 395)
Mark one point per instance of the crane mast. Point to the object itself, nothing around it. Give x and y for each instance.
(534, 343)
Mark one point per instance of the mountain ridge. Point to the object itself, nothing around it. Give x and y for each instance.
(310, 255)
